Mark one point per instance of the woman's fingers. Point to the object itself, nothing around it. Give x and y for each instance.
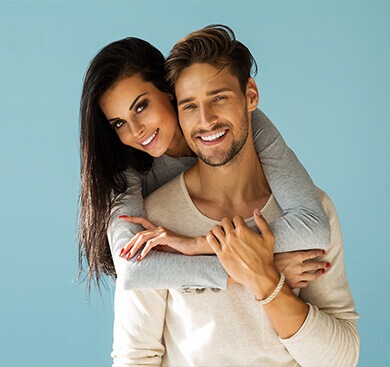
(312, 254)
(137, 241)
(302, 280)
(313, 266)
(138, 220)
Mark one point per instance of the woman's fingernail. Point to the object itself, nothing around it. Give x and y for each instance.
(128, 256)
(121, 253)
(257, 211)
(122, 216)
(139, 258)
(323, 252)
(322, 271)
(327, 265)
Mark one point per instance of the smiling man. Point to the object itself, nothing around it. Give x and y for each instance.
(260, 321)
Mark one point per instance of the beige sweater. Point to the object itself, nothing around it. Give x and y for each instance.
(212, 327)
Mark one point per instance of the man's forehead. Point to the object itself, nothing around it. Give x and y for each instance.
(204, 77)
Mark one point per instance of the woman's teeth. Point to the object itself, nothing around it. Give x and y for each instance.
(214, 136)
(146, 142)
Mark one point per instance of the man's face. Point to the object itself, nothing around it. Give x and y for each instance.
(213, 112)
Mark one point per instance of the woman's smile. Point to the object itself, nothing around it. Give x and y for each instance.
(142, 115)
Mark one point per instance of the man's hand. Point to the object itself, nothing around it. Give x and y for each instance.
(246, 255)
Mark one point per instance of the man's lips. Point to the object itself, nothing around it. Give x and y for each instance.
(213, 136)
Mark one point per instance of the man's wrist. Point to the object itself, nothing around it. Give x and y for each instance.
(266, 283)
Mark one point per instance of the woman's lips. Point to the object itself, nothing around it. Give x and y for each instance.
(148, 143)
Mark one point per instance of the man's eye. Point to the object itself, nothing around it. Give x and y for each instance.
(219, 98)
(189, 107)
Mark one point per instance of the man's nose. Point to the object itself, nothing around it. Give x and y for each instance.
(207, 115)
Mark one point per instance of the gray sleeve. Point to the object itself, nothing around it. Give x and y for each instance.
(304, 224)
(159, 269)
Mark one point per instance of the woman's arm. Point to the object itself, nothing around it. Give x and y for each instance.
(304, 224)
(159, 269)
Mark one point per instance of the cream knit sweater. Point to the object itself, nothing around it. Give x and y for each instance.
(212, 327)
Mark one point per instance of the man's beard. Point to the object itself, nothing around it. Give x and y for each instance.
(216, 160)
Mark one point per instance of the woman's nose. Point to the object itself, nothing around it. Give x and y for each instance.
(137, 128)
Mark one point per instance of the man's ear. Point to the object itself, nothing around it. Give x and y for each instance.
(252, 95)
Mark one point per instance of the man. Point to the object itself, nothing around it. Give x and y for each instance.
(260, 321)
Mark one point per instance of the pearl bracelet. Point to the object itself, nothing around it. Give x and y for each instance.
(274, 293)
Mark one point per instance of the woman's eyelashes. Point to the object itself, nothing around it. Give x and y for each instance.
(141, 106)
(117, 124)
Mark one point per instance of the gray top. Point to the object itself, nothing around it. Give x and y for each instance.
(304, 224)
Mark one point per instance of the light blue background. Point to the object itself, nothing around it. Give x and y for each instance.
(324, 80)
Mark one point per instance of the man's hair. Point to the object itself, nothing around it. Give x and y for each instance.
(215, 44)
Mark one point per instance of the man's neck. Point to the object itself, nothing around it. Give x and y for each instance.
(236, 188)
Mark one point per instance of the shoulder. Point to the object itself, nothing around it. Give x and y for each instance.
(165, 198)
(331, 213)
(327, 203)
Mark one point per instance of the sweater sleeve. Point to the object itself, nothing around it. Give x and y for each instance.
(138, 327)
(158, 270)
(329, 335)
(304, 224)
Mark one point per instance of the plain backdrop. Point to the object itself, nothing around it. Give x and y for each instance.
(324, 81)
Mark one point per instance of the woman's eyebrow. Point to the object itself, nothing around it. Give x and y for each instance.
(136, 100)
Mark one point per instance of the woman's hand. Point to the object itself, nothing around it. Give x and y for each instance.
(300, 267)
(162, 239)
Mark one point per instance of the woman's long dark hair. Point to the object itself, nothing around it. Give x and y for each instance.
(103, 156)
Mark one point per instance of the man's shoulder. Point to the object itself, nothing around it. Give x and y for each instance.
(327, 203)
(166, 191)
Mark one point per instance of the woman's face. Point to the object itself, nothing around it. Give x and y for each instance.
(142, 116)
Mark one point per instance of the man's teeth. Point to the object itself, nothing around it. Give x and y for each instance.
(213, 137)
(146, 142)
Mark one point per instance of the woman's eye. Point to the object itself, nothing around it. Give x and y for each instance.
(141, 106)
(117, 124)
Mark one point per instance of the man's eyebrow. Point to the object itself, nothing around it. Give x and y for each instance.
(130, 108)
(216, 91)
(186, 100)
(210, 93)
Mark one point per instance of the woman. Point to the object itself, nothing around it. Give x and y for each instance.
(131, 144)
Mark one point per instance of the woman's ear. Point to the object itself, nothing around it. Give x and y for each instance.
(252, 95)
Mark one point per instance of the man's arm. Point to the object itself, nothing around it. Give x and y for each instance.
(138, 327)
(321, 332)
